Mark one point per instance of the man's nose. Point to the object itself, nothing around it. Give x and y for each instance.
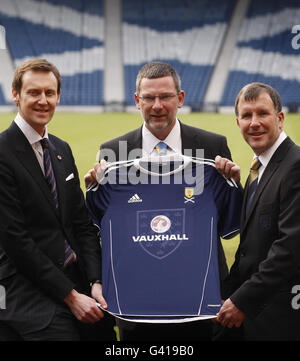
(43, 98)
(255, 121)
(157, 103)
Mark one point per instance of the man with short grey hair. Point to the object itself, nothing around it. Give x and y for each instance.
(158, 97)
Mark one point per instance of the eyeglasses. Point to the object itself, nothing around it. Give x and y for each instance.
(164, 98)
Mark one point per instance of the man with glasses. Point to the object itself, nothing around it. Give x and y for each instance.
(158, 97)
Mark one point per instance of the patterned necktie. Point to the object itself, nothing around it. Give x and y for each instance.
(253, 181)
(49, 174)
(70, 255)
(161, 148)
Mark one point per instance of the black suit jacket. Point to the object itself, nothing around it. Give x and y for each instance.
(192, 139)
(267, 263)
(32, 231)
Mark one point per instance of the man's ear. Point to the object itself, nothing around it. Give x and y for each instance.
(58, 99)
(280, 117)
(15, 96)
(181, 96)
(137, 101)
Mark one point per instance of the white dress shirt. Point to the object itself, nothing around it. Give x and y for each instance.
(173, 141)
(33, 138)
(267, 155)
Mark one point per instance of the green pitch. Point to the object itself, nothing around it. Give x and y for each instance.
(85, 132)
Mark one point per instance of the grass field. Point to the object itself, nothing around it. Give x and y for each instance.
(85, 132)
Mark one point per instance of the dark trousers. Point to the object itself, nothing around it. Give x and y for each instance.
(63, 325)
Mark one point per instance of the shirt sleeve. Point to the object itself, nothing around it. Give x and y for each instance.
(97, 200)
(228, 198)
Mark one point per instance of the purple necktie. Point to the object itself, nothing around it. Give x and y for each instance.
(70, 255)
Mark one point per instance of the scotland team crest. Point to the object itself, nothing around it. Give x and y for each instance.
(189, 192)
(160, 232)
(189, 195)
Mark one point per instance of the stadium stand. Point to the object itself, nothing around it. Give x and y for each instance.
(264, 51)
(99, 64)
(187, 34)
(2, 99)
(70, 33)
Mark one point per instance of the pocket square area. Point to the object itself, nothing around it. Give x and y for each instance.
(70, 176)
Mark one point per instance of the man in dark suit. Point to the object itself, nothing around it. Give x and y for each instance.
(49, 251)
(158, 97)
(263, 283)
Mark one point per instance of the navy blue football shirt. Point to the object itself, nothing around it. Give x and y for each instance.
(160, 225)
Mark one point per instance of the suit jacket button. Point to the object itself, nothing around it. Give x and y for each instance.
(242, 254)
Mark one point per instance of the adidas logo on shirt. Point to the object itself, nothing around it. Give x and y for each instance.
(135, 199)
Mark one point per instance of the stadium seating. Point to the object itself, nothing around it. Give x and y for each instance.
(67, 32)
(264, 51)
(187, 34)
(2, 100)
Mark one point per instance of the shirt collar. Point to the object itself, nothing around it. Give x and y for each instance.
(267, 155)
(31, 135)
(173, 140)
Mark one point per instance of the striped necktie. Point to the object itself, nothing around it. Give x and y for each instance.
(161, 148)
(70, 255)
(49, 174)
(253, 181)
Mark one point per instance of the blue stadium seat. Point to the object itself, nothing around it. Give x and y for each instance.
(172, 31)
(66, 32)
(2, 99)
(264, 51)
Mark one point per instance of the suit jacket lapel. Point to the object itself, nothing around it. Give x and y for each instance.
(134, 142)
(28, 160)
(273, 164)
(245, 198)
(188, 141)
(270, 169)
